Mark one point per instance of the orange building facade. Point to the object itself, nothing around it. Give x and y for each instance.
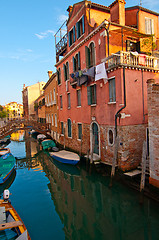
(102, 68)
(51, 105)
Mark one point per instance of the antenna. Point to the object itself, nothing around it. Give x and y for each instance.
(140, 2)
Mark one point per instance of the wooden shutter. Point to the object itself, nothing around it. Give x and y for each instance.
(65, 72)
(74, 36)
(87, 55)
(79, 61)
(83, 29)
(95, 97)
(74, 64)
(69, 38)
(58, 77)
(89, 95)
(77, 30)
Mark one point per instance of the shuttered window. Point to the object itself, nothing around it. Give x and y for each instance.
(59, 76)
(79, 131)
(80, 29)
(61, 104)
(62, 128)
(76, 62)
(149, 26)
(91, 94)
(112, 90)
(68, 100)
(71, 36)
(79, 98)
(69, 127)
(90, 55)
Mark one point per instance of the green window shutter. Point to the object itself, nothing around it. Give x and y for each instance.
(69, 39)
(74, 36)
(58, 78)
(95, 96)
(65, 72)
(87, 54)
(74, 64)
(89, 95)
(69, 127)
(79, 131)
(83, 30)
(79, 61)
(77, 30)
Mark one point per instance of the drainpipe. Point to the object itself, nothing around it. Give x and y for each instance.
(117, 114)
(143, 96)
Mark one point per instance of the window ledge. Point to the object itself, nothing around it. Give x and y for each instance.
(110, 103)
(70, 137)
(80, 37)
(62, 135)
(78, 139)
(93, 105)
(78, 106)
(69, 108)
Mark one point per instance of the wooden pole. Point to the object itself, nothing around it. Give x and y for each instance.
(81, 145)
(144, 151)
(93, 143)
(116, 145)
(64, 138)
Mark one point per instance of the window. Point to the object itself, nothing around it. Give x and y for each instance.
(69, 127)
(68, 100)
(79, 131)
(149, 26)
(66, 71)
(79, 98)
(80, 27)
(61, 104)
(59, 76)
(62, 128)
(112, 91)
(76, 62)
(71, 36)
(91, 94)
(90, 55)
(55, 120)
(51, 97)
(110, 137)
(52, 120)
(54, 94)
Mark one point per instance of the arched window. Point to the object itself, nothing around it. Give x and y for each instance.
(90, 55)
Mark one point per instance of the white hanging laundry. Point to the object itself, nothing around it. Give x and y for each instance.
(101, 73)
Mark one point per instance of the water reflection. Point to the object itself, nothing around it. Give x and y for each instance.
(89, 209)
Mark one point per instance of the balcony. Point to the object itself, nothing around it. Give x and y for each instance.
(61, 37)
(132, 59)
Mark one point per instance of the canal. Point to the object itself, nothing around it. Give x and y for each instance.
(57, 201)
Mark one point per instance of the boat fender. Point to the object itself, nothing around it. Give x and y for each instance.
(6, 195)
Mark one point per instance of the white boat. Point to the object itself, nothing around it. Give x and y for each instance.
(65, 157)
(4, 151)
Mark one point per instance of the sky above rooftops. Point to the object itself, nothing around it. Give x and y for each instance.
(27, 44)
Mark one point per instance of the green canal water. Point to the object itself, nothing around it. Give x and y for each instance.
(57, 201)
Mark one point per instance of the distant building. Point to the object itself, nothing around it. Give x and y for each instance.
(51, 104)
(14, 110)
(29, 95)
(103, 63)
(39, 109)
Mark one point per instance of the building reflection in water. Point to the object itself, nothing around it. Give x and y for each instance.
(89, 209)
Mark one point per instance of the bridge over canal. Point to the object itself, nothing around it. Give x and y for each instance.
(14, 125)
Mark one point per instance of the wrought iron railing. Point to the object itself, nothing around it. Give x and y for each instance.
(61, 45)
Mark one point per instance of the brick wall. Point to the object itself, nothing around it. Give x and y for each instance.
(153, 123)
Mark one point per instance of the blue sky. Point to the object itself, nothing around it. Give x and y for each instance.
(27, 44)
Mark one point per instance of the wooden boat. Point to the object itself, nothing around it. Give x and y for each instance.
(5, 140)
(41, 137)
(65, 157)
(11, 225)
(4, 151)
(47, 144)
(7, 165)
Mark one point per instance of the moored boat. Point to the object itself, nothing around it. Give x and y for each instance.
(4, 151)
(7, 165)
(47, 144)
(67, 157)
(11, 225)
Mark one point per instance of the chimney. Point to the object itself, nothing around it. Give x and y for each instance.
(23, 86)
(69, 10)
(117, 12)
(49, 74)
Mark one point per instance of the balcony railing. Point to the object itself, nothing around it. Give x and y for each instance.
(132, 59)
(61, 45)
